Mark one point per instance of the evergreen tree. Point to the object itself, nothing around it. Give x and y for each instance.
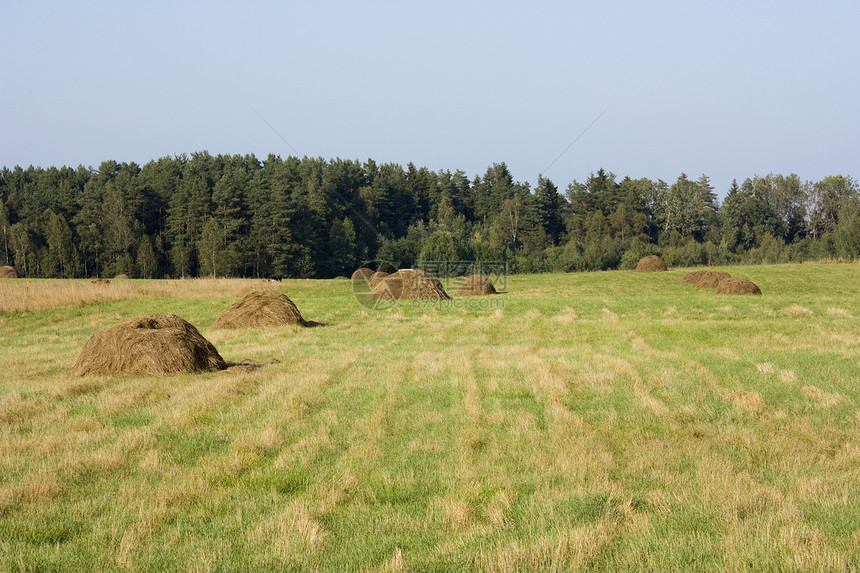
(550, 205)
(342, 248)
(4, 230)
(119, 231)
(60, 247)
(229, 210)
(89, 225)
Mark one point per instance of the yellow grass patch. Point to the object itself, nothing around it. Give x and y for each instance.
(797, 311)
(609, 315)
(43, 294)
(567, 316)
(40, 485)
(787, 376)
(766, 368)
(727, 353)
(294, 531)
(749, 401)
(533, 314)
(823, 399)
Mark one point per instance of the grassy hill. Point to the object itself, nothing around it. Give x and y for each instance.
(607, 421)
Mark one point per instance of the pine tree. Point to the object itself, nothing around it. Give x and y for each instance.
(550, 206)
(4, 230)
(58, 234)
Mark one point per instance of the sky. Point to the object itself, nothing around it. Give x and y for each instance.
(726, 89)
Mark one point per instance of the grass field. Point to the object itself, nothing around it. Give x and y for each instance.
(606, 421)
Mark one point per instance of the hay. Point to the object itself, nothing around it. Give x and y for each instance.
(476, 285)
(159, 344)
(737, 285)
(8, 273)
(409, 284)
(122, 276)
(650, 264)
(376, 278)
(260, 309)
(705, 279)
(362, 274)
(101, 282)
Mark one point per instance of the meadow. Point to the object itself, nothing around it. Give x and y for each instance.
(606, 421)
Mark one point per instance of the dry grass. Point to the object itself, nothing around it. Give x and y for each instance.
(797, 311)
(43, 294)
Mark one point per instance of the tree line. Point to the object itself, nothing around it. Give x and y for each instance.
(233, 215)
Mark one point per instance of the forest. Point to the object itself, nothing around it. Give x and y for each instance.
(236, 216)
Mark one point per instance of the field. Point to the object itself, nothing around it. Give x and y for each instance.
(608, 421)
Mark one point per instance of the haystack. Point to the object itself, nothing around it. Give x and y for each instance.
(476, 285)
(121, 276)
(409, 284)
(650, 264)
(737, 285)
(376, 278)
(260, 309)
(705, 279)
(362, 274)
(158, 344)
(8, 273)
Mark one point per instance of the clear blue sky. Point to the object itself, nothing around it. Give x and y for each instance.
(729, 89)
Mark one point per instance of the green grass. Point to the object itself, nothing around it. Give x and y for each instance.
(599, 421)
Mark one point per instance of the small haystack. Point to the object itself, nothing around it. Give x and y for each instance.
(737, 285)
(409, 284)
(705, 279)
(376, 278)
(158, 344)
(476, 285)
(650, 264)
(7, 272)
(121, 276)
(260, 309)
(362, 274)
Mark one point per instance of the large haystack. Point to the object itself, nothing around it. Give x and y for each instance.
(476, 285)
(650, 264)
(8, 273)
(158, 344)
(362, 274)
(705, 279)
(737, 285)
(121, 276)
(260, 309)
(409, 284)
(376, 278)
